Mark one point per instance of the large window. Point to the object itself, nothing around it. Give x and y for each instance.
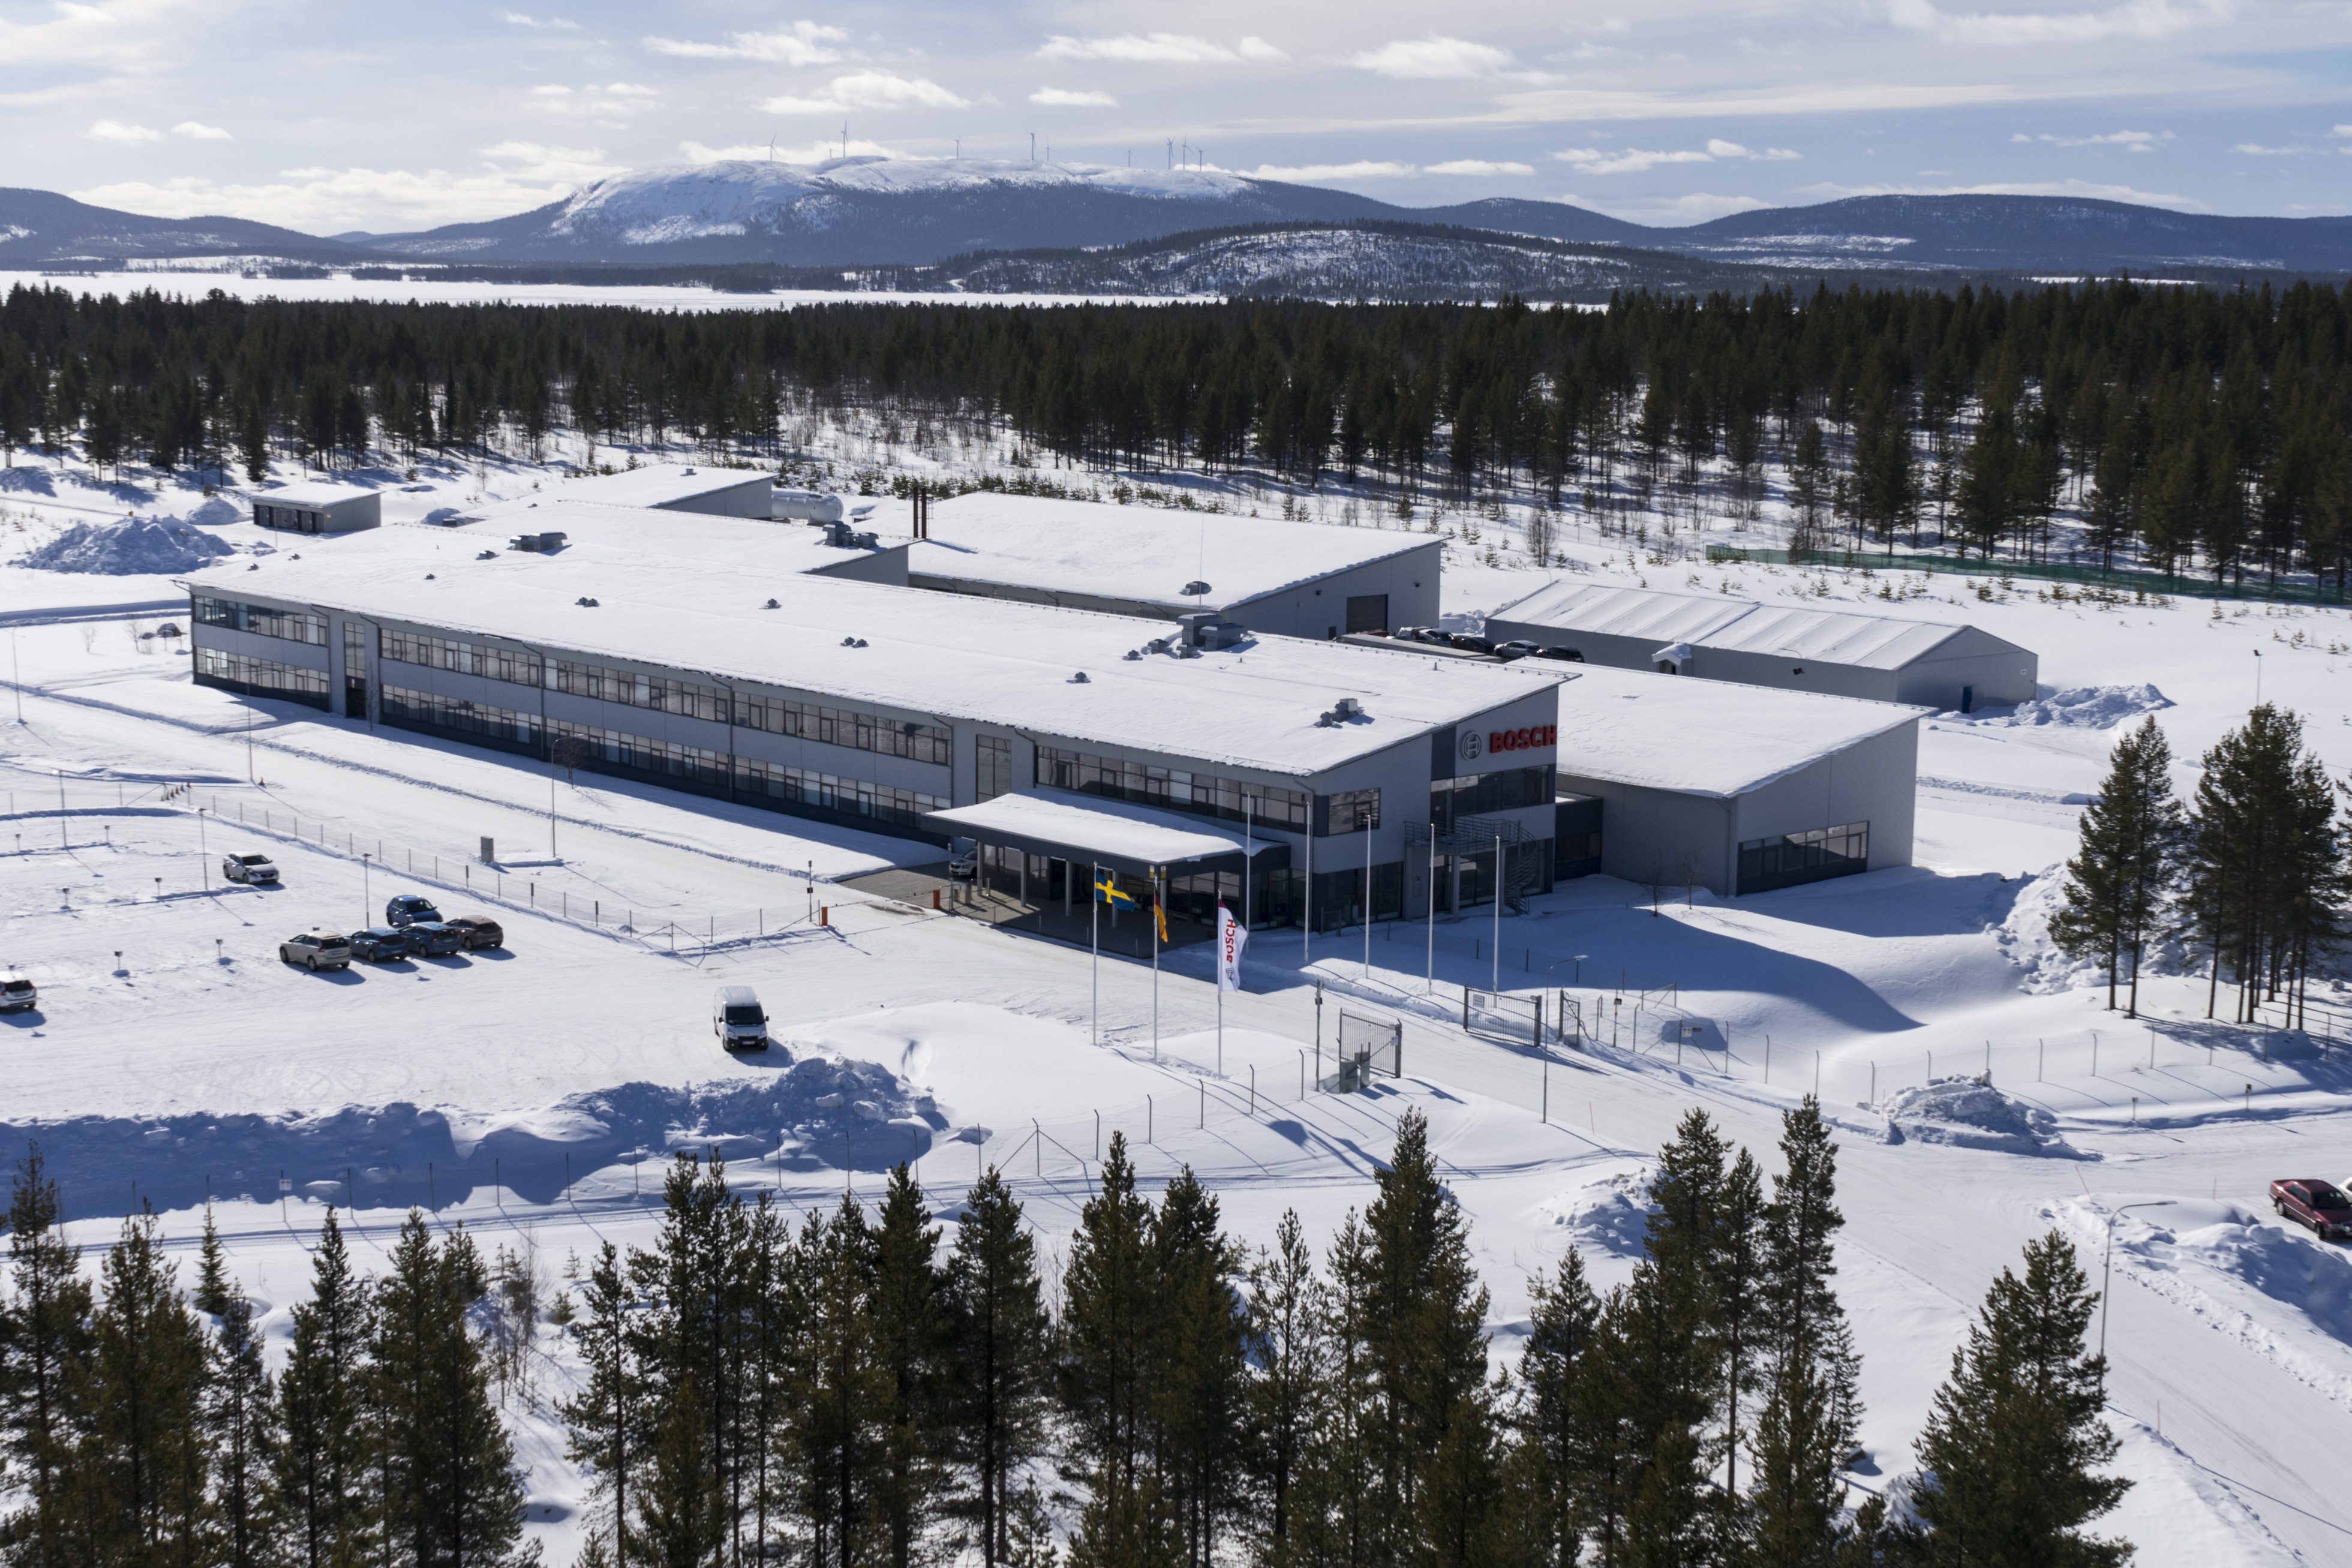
(1788, 859)
(517, 665)
(292, 626)
(260, 677)
(994, 770)
(826, 791)
(843, 727)
(644, 754)
(662, 693)
(1510, 789)
(431, 710)
(1172, 787)
(1353, 811)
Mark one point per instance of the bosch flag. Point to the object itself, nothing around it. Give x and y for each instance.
(1231, 938)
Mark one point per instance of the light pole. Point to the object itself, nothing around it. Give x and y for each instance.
(2106, 1268)
(365, 896)
(1498, 985)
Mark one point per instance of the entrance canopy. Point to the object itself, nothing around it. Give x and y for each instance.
(1116, 834)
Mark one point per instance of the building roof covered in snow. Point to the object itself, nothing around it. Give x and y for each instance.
(314, 493)
(1796, 631)
(1705, 737)
(663, 486)
(1260, 704)
(1142, 555)
(726, 542)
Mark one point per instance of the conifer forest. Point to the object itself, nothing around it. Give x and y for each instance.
(852, 1386)
(2194, 432)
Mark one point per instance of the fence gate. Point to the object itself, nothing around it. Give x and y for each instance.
(1369, 1047)
(1500, 1015)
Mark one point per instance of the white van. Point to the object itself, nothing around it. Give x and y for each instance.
(736, 1018)
(18, 992)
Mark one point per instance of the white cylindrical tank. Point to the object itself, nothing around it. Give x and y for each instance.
(805, 506)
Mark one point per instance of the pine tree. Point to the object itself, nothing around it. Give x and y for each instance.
(910, 1345)
(1107, 1325)
(1555, 1461)
(241, 1424)
(1197, 1371)
(1287, 1398)
(1810, 1410)
(604, 1422)
(45, 1339)
(2119, 885)
(327, 1504)
(681, 1512)
(2017, 1433)
(1736, 1285)
(213, 1289)
(1000, 1335)
(452, 1492)
(839, 1391)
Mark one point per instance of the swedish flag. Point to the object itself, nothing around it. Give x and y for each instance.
(1108, 892)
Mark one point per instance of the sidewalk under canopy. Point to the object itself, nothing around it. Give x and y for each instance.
(1119, 835)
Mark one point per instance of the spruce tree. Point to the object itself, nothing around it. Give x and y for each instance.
(45, 1339)
(1555, 1479)
(605, 1420)
(1108, 1322)
(2120, 882)
(681, 1512)
(910, 1361)
(213, 1288)
(1001, 1344)
(241, 1424)
(1806, 1428)
(327, 1504)
(1197, 1371)
(1735, 1287)
(2016, 1437)
(839, 1390)
(452, 1492)
(1287, 1399)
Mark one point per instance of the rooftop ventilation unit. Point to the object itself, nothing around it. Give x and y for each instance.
(537, 544)
(1207, 629)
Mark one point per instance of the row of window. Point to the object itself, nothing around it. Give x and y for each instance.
(639, 753)
(495, 662)
(302, 520)
(402, 706)
(292, 626)
(1173, 788)
(1479, 794)
(259, 674)
(1353, 811)
(840, 727)
(663, 693)
(854, 797)
(1786, 859)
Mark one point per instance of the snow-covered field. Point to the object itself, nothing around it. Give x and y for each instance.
(521, 1091)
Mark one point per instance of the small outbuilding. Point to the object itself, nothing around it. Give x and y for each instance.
(1943, 665)
(1286, 579)
(319, 507)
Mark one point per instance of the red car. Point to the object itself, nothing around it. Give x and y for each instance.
(2321, 1204)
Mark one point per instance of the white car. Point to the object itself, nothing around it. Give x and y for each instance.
(18, 992)
(249, 869)
(317, 950)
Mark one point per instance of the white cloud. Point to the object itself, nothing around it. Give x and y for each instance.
(1330, 174)
(2131, 141)
(1721, 149)
(1432, 59)
(1633, 161)
(328, 201)
(1063, 98)
(1159, 48)
(2133, 19)
(615, 101)
(801, 43)
(870, 90)
(809, 153)
(115, 130)
(541, 24)
(2255, 148)
(1695, 208)
(536, 161)
(1478, 166)
(1827, 192)
(1257, 48)
(196, 132)
(114, 34)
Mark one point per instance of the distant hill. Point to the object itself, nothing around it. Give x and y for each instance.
(855, 213)
(41, 228)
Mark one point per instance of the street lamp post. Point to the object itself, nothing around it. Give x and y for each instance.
(2106, 1268)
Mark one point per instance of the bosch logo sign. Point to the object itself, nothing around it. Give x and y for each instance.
(1527, 740)
(1473, 745)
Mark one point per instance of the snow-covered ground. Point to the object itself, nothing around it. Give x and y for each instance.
(521, 1091)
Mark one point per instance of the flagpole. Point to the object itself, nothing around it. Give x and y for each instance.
(1222, 916)
(1159, 918)
(1095, 894)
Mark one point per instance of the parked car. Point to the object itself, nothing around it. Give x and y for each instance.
(478, 931)
(380, 944)
(249, 869)
(1469, 643)
(737, 1017)
(1565, 654)
(963, 860)
(317, 950)
(1518, 648)
(18, 992)
(1424, 634)
(2315, 1202)
(434, 939)
(407, 909)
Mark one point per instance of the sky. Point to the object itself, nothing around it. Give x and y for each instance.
(328, 116)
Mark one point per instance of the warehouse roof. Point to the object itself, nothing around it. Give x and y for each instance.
(313, 492)
(1831, 637)
(655, 485)
(1713, 737)
(1143, 554)
(735, 544)
(1036, 668)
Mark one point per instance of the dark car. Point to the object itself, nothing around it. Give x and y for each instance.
(408, 908)
(1518, 648)
(432, 938)
(1469, 643)
(1565, 654)
(2315, 1202)
(380, 944)
(478, 931)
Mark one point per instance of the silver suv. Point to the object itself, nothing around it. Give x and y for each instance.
(18, 992)
(249, 869)
(317, 950)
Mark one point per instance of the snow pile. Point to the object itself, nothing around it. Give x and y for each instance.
(1967, 1114)
(2075, 708)
(2025, 938)
(152, 546)
(1607, 1218)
